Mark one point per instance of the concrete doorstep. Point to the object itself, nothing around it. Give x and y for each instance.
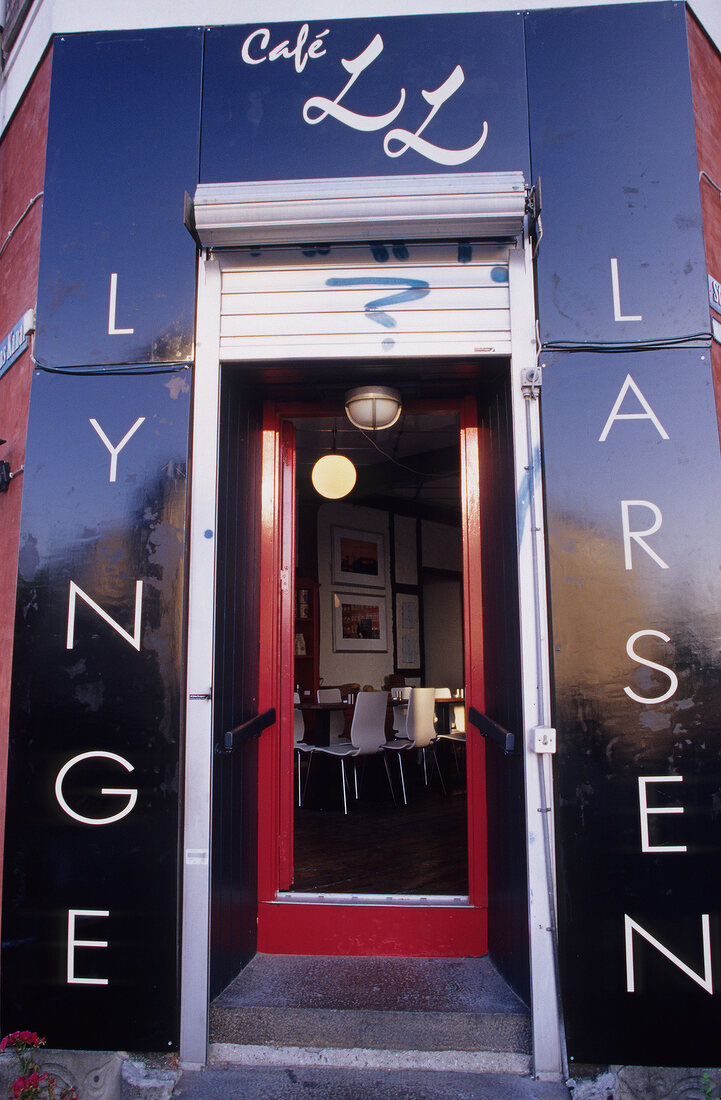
(293, 1082)
(388, 1028)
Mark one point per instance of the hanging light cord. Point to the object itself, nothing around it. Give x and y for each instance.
(418, 473)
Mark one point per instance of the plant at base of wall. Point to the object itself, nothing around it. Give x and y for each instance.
(31, 1084)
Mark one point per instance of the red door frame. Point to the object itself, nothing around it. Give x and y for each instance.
(292, 925)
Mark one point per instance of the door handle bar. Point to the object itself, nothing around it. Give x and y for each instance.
(247, 730)
(491, 729)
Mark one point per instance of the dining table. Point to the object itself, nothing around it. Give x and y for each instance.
(444, 711)
(320, 734)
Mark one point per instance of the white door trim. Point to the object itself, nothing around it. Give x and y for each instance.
(195, 917)
(547, 1040)
(535, 671)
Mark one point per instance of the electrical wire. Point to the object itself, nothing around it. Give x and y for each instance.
(705, 176)
(22, 217)
(116, 368)
(402, 465)
(704, 340)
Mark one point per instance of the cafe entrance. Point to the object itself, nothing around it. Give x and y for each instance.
(284, 333)
(384, 852)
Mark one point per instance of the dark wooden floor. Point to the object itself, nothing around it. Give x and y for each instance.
(380, 847)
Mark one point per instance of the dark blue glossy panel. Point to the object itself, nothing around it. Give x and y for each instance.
(122, 151)
(101, 695)
(507, 865)
(612, 138)
(607, 740)
(234, 933)
(253, 102)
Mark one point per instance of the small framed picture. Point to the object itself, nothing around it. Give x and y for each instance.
(358, 557)
(408, 653)
(359, 622)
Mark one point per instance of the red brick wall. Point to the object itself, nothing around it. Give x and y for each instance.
(22, 167)
(706, 83)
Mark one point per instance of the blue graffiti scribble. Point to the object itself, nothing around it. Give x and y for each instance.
(525, 492)
(381, 254)
(415, 288)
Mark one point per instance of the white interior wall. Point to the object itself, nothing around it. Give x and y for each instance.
(406, 552)
(442, 610)
(443, 632)
(441, 546)
(343, 668)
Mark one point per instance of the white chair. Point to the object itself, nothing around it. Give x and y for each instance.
(302, 748)
(367, 738)
(336, 725)
(420, 734)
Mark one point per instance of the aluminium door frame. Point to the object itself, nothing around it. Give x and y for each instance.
(535, 667)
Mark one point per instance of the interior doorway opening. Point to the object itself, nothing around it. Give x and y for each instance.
(261, 541)
(369, 617)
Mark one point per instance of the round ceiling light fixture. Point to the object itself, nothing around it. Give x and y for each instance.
(333, 476)
(373, 408)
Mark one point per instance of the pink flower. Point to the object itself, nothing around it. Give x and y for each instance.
(21, 1040)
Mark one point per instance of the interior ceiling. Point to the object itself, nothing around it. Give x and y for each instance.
(413, 466)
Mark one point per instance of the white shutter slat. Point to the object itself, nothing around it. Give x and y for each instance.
(295, 303)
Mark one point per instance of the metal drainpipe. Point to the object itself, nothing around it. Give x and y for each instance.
(531, 393)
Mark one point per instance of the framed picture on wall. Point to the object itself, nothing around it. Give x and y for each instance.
(359, 622)
(408, 652)
(358, 557)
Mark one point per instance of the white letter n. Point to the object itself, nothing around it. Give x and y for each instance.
(133, 638)
(706, 982)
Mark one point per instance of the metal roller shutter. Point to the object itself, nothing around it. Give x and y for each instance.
(354, 301)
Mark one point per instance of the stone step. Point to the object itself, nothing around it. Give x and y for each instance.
(230, 1082)
(390, 1014)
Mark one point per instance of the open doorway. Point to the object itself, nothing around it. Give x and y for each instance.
(269, 549)
(367, 619)
(447, 915)
(251, 906)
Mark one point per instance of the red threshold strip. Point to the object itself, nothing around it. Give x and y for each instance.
(330, 928)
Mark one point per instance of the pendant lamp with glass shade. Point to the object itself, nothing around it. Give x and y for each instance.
(333, 475)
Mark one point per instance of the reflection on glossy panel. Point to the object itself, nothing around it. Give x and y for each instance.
(632, 469)
(92, 813)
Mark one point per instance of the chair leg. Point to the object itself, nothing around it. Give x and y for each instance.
(307, 777)
(342, 773)
(388, 773)
(438, 768)
(297, 759)
(403, 782)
